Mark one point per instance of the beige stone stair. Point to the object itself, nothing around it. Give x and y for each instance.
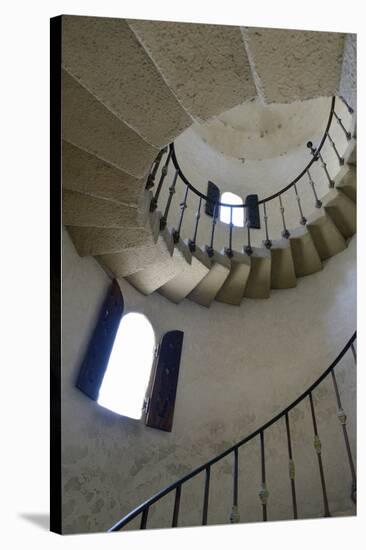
(86, 173)
(206, 290)
(104, 55)
(345, 181)
(259, 281)
(155, 276)
(131, 260)
(325, 234)
(232, 291)
(350, 155)
(304, 253)
(282, 265)
(206, 66)
(342, 211)
(191, 275)
(89, 125)
(79, 209)
(131, 87)
(94, 241)
(285, 68)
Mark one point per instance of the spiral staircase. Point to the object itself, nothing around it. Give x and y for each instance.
(129, 90)
(132, 87)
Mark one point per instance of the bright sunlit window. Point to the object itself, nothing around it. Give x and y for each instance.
(238, 213)
(128, 372)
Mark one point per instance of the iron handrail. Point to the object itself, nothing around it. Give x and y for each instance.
(270, 197)
(142, 507)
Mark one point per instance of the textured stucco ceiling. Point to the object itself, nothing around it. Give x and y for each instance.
(256, 131)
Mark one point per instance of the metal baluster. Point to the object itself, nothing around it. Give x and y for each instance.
(291, 466)
(318, 449)
(192, 242)
(303, 220)
(144, 518)
(248, 248)
(343, 419)
(346, 133)
(340, 159)
(350, 110)
(319, 156)
(229, 251)
(354, 353)
(263, 493)
(183, 206)
(318, 203)
(210, 248)
(164, 171)
(235, 516)
(285, 233)
(176, 506)
(164, 218)
(267, 242)
(151, 179)
(206, 495)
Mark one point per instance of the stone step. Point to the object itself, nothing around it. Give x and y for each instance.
(86, 173)
(342, 211)
(350, 155)
(94, 241)
(232, 291)
(325, 234)
(191, 275)
(206, 290)
(155, 276)
(89, 125)
(259, 281)
(282, 265)
(79, 209)
(131, 260)
(103, 54)
(285, 68)
(206, 66)
(304, 253)
(345, 181)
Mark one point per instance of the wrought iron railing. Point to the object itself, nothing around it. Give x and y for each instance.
(142, 511)
(305, 175)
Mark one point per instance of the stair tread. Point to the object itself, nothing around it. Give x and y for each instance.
(177, 288)
(342, 211)
(126, 81)
(327, 238)
(181, 50)
(206, 290)
(89, 125)
(259, 280)
(86, 173)
(79, 209)
(282, 265)
(232, 290)
(304, 253)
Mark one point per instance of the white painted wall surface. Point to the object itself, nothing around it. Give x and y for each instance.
(239, 367)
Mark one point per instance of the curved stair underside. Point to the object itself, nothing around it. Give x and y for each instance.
(130, 88)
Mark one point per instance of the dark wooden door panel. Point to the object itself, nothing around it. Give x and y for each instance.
(96, 359)
(161, 407)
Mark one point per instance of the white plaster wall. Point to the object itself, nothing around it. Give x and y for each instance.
(201, 162)
(239, 367)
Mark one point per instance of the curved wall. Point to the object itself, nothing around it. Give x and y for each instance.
(200, 162)
(239, 367)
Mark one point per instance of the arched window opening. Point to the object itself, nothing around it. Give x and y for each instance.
(127, 375)
(238, 213)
